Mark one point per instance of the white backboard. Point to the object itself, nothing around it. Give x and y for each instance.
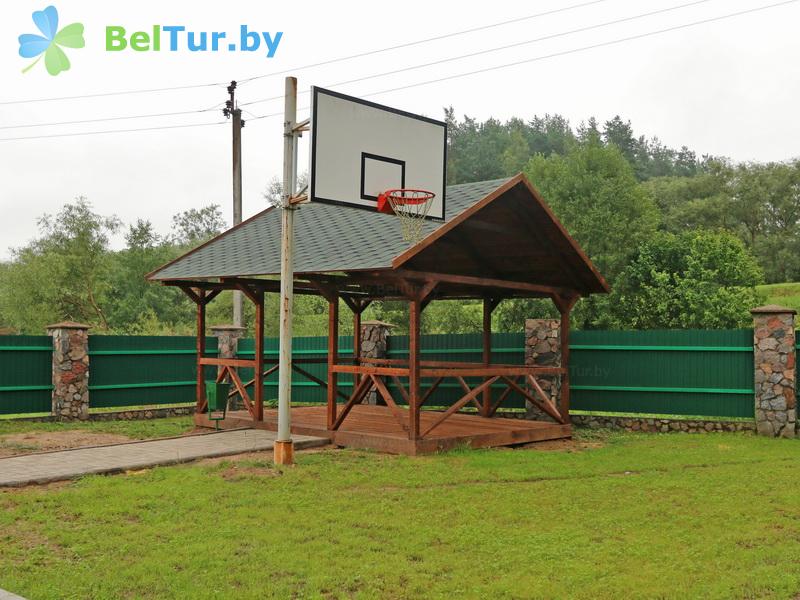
(360, 149)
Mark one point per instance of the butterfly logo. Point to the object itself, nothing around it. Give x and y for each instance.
(50, 42)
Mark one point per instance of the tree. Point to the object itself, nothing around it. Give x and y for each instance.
(698, 279)
(273, 193)
(595, 194)
(61, 274)
(195, 226)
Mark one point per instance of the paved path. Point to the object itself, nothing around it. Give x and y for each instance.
(68, 464)
(4, 595)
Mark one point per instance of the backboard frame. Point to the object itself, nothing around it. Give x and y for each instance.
(362, 193)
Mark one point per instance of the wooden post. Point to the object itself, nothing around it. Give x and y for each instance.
(564, 306)
(201, 351)
(414, 314)
(357, 341)
(258, 390)
(333, 352)
(487, 353)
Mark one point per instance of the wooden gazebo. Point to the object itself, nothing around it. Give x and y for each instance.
(500, 240)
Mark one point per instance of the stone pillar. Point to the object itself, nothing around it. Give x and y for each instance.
(227, 346)
(543, 349)
(70, 370)
(775, 360)
(374, 344)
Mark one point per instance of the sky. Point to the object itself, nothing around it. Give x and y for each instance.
(728, 88)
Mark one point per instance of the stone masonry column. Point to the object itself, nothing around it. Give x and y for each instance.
(374, 344)
(543, 349)
(775, 369)
(227, 346)
(70, 370)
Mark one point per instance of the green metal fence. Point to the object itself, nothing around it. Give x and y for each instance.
(25, 376)
(144, 370)
(677, 372)
(693, 372)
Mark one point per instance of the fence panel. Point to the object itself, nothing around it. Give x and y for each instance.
(144, 370)
(26, 377)
(677, 372)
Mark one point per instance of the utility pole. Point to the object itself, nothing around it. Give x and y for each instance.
(231, 110)
(284, 446)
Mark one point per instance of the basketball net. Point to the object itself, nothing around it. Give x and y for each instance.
(411, 207)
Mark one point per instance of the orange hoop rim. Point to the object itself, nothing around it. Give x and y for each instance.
(397, 196)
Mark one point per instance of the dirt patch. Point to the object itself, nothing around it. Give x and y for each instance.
(41, 441)
(565, 445)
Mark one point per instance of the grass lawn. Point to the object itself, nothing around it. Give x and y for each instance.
(135, 429)
(784, 294)
(667, 516)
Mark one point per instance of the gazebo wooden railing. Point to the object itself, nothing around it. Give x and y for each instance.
(374, 373)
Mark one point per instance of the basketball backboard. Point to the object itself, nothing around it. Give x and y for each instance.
(360, 149)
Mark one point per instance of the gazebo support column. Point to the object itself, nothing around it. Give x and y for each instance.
(565, 305)
(333, 352)
(414, 402)
(489, 304)
(200, 391)
(258, 390)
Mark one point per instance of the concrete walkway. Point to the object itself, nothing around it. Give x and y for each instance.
(4, 595)
(67, 464)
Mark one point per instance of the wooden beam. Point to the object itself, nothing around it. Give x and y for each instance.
(258, 392)
(467, 280)
(193, 296)
(315, 379)
(458, 405)
(361, 390)
(431, 389)
(490, 371)
(200, 392)
(501, 399)
(565, 306)
(384, 392)
(333, 352)
(237, 382)
(487, 352)
(545, 406)
(468, 389)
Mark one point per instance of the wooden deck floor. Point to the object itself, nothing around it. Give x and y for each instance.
(374, 427)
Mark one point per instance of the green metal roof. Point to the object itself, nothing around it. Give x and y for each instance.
(327, 238)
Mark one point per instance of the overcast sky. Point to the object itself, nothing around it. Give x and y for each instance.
(725, 88)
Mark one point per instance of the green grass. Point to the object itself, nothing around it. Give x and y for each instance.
(784, 294)
(140, 430)
(643, 516)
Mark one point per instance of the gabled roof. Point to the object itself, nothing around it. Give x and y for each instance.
(499, 229)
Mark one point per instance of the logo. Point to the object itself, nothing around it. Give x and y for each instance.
(50, 42)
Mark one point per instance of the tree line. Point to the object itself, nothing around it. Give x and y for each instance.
(683, 240)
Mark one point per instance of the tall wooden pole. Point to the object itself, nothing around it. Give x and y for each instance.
(488, 307)
(333, 352)
(236, 124)
(414, 313)
(284, 448)
(200, 393)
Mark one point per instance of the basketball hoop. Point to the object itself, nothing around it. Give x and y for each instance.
(410, 206)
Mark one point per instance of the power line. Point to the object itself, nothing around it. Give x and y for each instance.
(312, 65)
(425, 40)
(99, 120)
(58, 135)
(564, 52)
(497, 48)
(117, 93)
